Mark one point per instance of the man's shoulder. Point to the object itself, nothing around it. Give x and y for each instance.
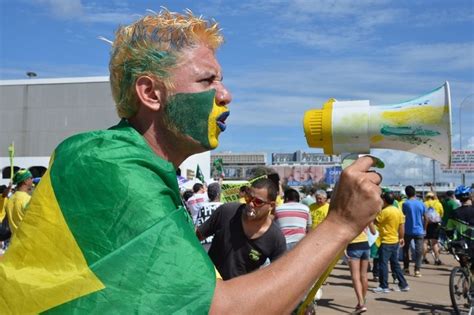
(289, 206)
(464, 210)
(104, 139)
(413, 203)
(211, 205)
(315, 206)
(197, 199)
(227, 210)
(274, 232)
(231, 206)
(21, 195)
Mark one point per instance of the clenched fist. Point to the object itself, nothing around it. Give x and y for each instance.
(356, 199)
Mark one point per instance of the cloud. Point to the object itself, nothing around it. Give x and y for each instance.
(64, 8)
(434, 57)
(115, 12)
(448, 15)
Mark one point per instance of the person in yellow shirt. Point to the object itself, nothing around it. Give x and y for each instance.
(4, 233)
(358, 252)
(16, 205)
(319, 210)
(432, 226)
(4, 191)
(391, 225)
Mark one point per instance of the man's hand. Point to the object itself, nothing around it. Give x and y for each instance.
(356, 199)
(7, 190)
(402, 242)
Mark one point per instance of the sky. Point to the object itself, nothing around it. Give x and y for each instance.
(279, 59)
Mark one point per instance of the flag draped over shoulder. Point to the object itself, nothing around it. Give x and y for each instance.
(105, 232)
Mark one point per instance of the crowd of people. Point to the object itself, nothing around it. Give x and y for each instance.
(407, 221)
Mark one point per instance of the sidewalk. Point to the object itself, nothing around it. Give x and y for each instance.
(428, 294)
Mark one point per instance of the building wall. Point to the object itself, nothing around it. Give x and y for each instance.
(38, 114)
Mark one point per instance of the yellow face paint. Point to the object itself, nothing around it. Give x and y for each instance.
(216, 123)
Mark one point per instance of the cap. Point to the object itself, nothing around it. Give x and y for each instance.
(21, 176)
(430, 194)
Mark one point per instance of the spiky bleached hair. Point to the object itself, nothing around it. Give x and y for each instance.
(151, 46)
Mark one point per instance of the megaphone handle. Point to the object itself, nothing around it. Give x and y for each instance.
(310, 297)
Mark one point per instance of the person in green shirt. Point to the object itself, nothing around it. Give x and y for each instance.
(449, 205)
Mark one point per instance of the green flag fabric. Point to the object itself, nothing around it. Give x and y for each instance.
(106, 232)
(218, 166)
(199, 174)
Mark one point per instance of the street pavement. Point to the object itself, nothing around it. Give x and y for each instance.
(428, 294)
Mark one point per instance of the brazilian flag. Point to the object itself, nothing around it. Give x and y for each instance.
(106, 233)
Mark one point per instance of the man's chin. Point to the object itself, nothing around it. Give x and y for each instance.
(196, 146)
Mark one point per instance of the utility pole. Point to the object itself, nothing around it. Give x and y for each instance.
(467, 99)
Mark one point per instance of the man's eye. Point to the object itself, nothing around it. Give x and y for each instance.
(208, 81)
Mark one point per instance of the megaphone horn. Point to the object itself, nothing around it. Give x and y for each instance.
(421, 126)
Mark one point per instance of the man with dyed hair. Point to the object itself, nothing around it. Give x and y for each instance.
(106, 231)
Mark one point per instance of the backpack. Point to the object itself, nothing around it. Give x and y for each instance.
(432, 215)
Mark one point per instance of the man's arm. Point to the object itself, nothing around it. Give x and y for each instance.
(279, 287)
(309, 222)
(209, 227)
(401, 234)
(372, 227)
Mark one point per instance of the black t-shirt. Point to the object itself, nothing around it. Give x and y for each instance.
(231, 251)
(465, 213)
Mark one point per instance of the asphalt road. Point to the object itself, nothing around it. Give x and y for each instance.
(428, 294)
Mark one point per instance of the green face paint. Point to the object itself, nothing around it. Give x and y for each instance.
(196, 115)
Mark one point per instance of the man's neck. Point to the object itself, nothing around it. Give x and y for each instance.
(254, 228)
(22, 188)
(467, 203)
(164, 143)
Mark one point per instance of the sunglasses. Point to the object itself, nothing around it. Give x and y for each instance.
(256, 201)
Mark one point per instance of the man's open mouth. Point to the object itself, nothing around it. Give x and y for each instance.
(221, 120)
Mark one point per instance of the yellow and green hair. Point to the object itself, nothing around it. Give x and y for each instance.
(151, 46)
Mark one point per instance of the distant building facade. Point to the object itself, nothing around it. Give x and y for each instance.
(304, 158)
(238, 166)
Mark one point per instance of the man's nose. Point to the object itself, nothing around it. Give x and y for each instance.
(223, 96)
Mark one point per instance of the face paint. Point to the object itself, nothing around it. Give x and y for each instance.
(198, 116)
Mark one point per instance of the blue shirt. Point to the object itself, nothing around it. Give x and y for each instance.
(414, 210)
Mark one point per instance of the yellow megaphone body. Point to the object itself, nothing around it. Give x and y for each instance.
(421, 125)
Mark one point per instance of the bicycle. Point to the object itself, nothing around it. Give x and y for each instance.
(460, 277)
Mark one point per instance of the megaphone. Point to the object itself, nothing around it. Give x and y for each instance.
(421, 126)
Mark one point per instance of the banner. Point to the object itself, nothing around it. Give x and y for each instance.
(332, 174)
(308, 175)
(230, 191)
(462, 162)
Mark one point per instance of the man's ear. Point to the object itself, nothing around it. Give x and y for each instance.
(149, 92)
